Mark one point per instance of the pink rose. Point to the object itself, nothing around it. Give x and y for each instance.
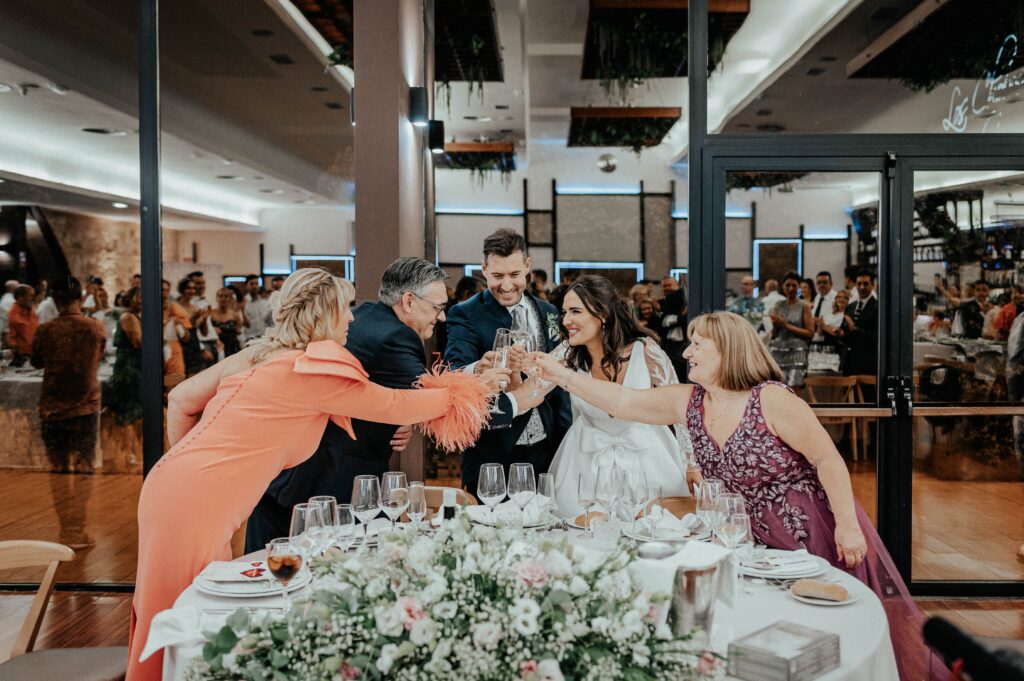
(410, 609)
(532, 573)
(527, 669)
(707, 665)
(348, 672)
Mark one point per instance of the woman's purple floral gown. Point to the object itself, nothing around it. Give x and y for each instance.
(789, 510)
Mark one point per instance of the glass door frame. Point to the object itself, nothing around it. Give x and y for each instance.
(895, 158)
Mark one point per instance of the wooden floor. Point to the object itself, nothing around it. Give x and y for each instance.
(962, 530)
(87, 620)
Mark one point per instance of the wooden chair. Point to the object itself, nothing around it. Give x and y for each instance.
(848, 394)
(56, 664)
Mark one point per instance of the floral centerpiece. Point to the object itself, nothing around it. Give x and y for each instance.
(471, 602)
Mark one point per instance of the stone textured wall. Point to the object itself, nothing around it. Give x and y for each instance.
(99, 246)
(658, 252)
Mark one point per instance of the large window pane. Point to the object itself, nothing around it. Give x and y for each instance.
(841, 66)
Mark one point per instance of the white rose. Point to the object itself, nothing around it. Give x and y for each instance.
(525, 625)
(423, 632)
(548, 670)
(389, 620)
(435, 590)
(421, 555)
(600, 624)
(524, 607)
(376, 587)
(445, 610)
(487, 635)
(387, 657)
(578, 586)
(557, 563)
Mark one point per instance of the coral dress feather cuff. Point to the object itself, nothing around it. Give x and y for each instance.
(467, 410)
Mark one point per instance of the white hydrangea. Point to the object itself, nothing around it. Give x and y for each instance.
(389, 620)
(578, 586)
(487, 634)
(557, 563)
(387, 657)
(446, 610)
(423, 632)
(376, 587)
(548, 670)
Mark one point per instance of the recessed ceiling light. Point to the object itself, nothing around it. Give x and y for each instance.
(281, 59)
(4, 87)
(262, 32)
(334, 105)
(771, 127)
(501, 106)
(827, 59)
(113, 132)
(119, 204)
(271, 191)
(230, 177)
(318, 88)
(2, 180)
(815, 71)
(764, 112)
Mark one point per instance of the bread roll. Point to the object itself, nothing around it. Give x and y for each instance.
(581, 519)
(815, 588)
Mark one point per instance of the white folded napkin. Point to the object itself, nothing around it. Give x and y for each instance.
(658, 575)
(509, 511)
(236, 571)
(783, 560)
(174, 627)
(660, 518)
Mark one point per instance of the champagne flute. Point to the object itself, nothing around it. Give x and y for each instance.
(707, 493)
(653, 499)
(305, 531)
(366, 500)
(733, 503)
(502, 343)
(284, 562)
(586, 497)
(634, 494)
(491, 486)
(344, 526)
(328, 511)
(522, 486)
(417, 503)
(546, 492)
(734, 532)
(606, 488)
(394, 495)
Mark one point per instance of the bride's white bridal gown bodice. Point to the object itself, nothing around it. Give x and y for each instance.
(596, 439)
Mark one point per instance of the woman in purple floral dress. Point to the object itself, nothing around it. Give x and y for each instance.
(754, 434)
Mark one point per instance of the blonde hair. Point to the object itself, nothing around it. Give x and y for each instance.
(746, 362)
(305, 312)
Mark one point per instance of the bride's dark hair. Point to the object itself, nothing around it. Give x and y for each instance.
(619, 329)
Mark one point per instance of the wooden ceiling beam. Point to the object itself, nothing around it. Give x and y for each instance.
(625, 112)
(480, 147)
(910, 21)
(716, 6)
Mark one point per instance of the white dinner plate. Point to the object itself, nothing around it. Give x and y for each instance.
(783, 572)
(260, 589)
(663, 534)
(853, 598)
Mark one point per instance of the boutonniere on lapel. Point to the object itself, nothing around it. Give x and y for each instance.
(553, 332)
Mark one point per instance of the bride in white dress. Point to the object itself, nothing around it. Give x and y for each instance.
(603, 340)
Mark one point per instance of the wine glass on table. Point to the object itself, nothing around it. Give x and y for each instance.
(394, 495)
(522, 486)
(585, 497)
(328, 511)
(734, 531)
(634, 494)
(344, 526)
(502, 344)
(284, 561)
(417, 503)
(606, 489)
(307, 529)
(366, 500)
(491, 486)
(546, 493)
(707, 493)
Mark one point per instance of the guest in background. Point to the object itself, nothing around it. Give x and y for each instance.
(1009, 312)
(387, 338)
(191, 346)
(22, 323)
(7, 299)
(89, 304)
(47, 310)
(205, 331)
(124, 391)
(674, 311)
(792, 329)
(539, 284)
(972, 312)
(555, 298)
(258, 311)
(649, 317)
(276, 283)
(746, 305)
(533, 434)
(227, 322)
(466, 288)
(836, 324)
(862, 339)
(176, 331)
(807, 290)
(822, 304)
(637, 294)
(771, 297)
(668, 285)
(850, 276)
(68, 350)
(199, 280)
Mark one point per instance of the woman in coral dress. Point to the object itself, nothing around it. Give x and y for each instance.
(762, 441)
(235, 426)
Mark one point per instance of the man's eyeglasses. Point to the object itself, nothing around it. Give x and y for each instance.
(438, 309)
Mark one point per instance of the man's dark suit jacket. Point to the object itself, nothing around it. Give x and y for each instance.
(392, 354)
(862, 344)
(471, 329)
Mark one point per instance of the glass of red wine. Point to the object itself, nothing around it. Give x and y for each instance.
(284, 562)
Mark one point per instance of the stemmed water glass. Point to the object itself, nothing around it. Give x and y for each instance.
(307, 529)
(491, 486)
(633, 493)
(585, 497)
(394, 495)
(707, 494)
(546, 492)
(522, 486)
(328, 512)
(653, 498)
(417, 503)
(606, 488)
(344, 526)
(284, 561)
(366, 500)
(734, 532)
(733, 503)
(502, 343)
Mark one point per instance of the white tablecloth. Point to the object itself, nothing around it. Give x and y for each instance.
(866, 652)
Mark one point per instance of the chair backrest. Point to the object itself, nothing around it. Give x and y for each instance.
(845, 384)
(23, 553)
(435, 497)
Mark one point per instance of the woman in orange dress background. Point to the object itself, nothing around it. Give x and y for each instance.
(235, 426)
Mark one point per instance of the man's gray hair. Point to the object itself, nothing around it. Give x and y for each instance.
(407, 274)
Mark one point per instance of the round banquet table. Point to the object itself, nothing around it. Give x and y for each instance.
(866, 652)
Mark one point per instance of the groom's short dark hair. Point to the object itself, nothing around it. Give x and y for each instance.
(504, 243)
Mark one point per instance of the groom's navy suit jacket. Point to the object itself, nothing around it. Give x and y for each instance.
(471, 329)
(392, 354)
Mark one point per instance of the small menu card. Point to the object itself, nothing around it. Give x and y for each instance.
(784, 651)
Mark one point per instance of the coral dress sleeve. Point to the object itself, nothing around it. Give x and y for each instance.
(451, 407)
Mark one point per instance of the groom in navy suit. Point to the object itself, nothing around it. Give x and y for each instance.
(533, 434)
